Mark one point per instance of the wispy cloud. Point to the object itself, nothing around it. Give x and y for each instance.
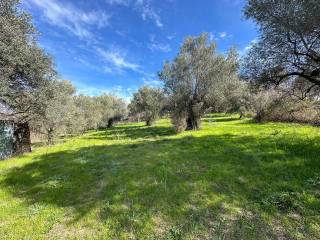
(118, 2)
(223, 34)
(116, 61)
(219, 36)
(117, 90)
(247, 48)
(151, 80)
(147, 12)
(144, 7)
(69, 17)
(170, 37)
(157, 46)
(160, 47)
(212, 37)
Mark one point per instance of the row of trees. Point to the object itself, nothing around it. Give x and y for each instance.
(277, 80)
(29, 84)
(68, 113)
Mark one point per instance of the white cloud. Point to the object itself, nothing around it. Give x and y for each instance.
(143, 7)
(212, 37)
(248, 47)
(89, 90)
(118, 2)
(116, 61)
(71, 18)
(86, 63)
(160, 47)
(223, 34)
(147, 12)
(157, 46)
(151, 80)
(117, 90)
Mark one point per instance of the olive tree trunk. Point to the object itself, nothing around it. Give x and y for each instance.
(193, 123)
(149, 122)
(50, 136)
(194, 117)
(110, 123)
(22, 141)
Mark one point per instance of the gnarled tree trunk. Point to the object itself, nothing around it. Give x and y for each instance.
(194, 117)
(149, 122)
(110, 123)
(50, 136)
(22, 141)
(193, 123)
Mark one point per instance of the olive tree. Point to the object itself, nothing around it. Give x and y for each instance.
(25, 69)
(193, 81)
(90, 110)
(112, 109)
(147, 101)
(60, 110)
(289, 44)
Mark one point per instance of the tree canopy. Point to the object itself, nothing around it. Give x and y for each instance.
(289, 44)
(148, 102)
(195, 78)
(25, 69)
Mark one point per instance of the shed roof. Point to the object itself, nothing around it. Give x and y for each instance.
(6, 112)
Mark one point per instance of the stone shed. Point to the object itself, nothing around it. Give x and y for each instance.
(14, 135)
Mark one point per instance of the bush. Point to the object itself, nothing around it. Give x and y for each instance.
(262, 103)
(179, 121)
(276, 106)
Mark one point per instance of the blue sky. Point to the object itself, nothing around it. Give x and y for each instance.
(116, 46)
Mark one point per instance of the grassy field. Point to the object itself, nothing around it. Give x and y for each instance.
(231, 180)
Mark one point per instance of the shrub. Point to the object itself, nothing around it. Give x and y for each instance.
(179, 121)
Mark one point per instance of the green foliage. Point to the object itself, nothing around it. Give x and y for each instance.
(66, 113)
(60, 110)
(289, 45)
(197, 79)
(148, 102)
(25, 69)
(231, 180)
(111, 109)
(90, 110)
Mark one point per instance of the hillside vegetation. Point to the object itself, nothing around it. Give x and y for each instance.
(231, 180)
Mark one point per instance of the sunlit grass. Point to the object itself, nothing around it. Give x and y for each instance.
(232, 180)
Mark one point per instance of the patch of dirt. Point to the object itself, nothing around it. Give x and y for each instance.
(62, 231)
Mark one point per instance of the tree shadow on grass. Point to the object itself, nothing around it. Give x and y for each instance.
(133, 132)
(192, 184)
(225, 119)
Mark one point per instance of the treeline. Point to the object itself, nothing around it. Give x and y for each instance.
(29, 84)
(68, 113)
(278, 79)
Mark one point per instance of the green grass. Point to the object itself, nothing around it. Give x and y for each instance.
(231, 180)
